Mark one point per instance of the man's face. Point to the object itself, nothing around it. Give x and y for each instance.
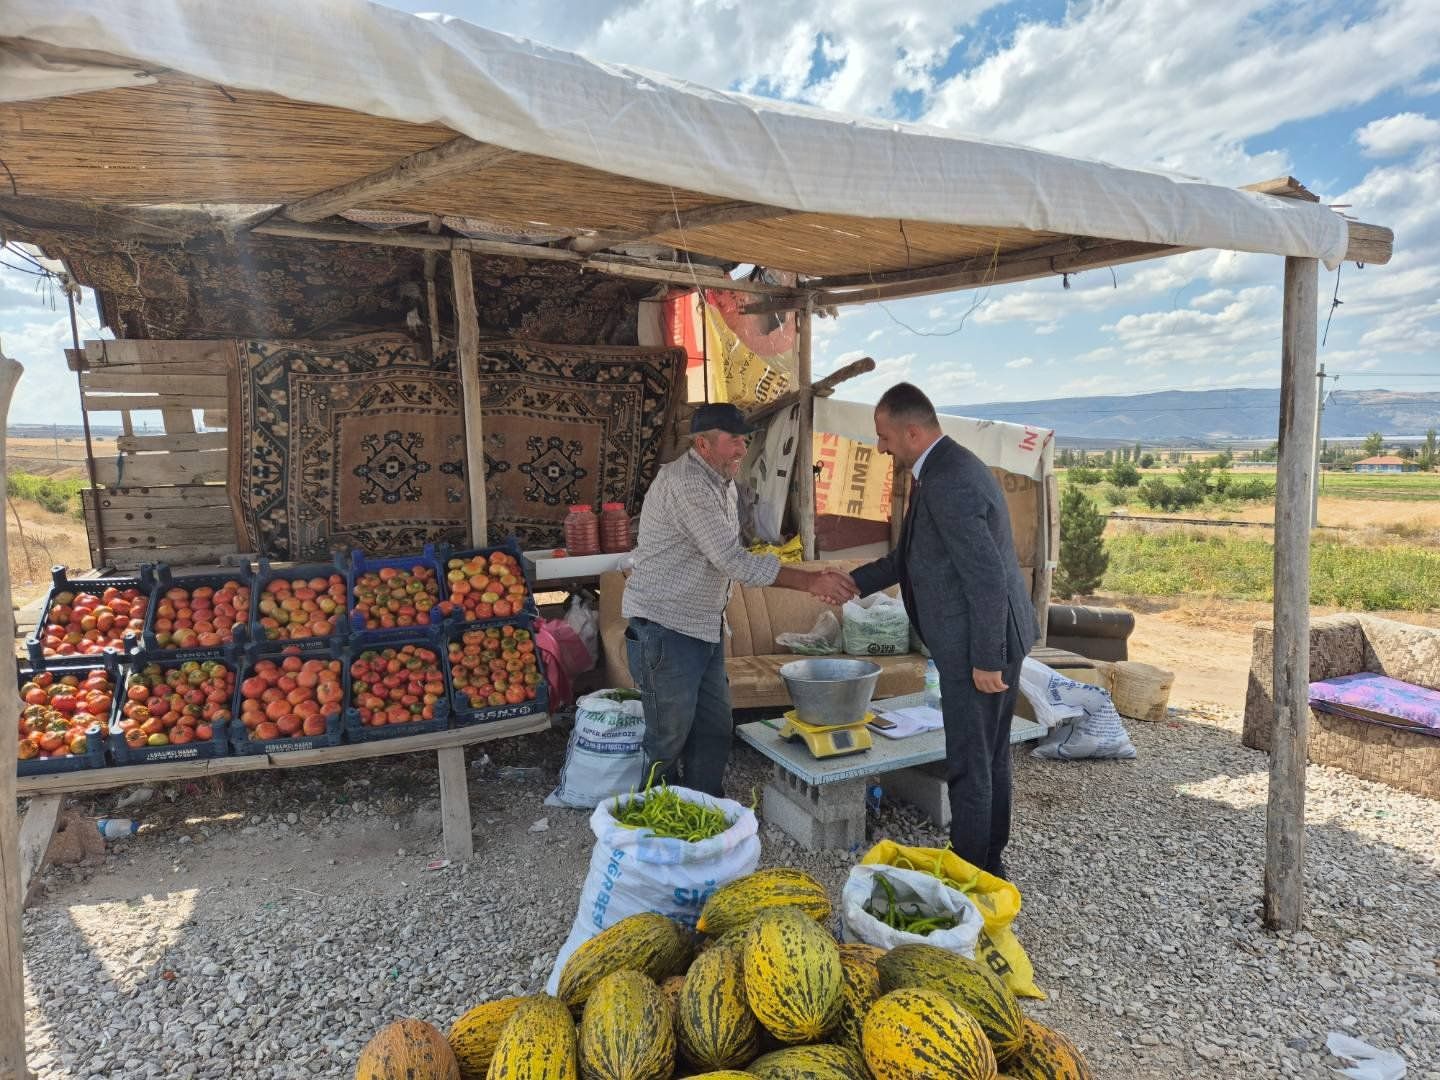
(723, 451)
(895, 438)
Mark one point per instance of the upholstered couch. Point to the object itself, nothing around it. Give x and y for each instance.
(1348, 645)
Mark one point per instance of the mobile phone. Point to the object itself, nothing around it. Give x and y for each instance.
(881, 724)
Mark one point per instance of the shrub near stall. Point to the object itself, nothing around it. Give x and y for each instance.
(291, 697)
(87, 623)
(177, 705)
(57, 711)
(495, 666)
(396, 686)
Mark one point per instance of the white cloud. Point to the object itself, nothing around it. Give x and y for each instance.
(1391, 135)
(1020, 362)
(874, 335)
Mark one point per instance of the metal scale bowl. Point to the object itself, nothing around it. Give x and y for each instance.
(832, 704)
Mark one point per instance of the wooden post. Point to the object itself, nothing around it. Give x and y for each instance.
(12, 973)
(467, 341)
(805, 441)
(454, 804)
(1285, 812)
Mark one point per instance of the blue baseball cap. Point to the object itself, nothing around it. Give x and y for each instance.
(725, 418)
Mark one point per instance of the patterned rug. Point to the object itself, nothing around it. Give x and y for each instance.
(570, 424)
(354, 443)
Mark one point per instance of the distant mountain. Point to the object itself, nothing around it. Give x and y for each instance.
(1177, 417)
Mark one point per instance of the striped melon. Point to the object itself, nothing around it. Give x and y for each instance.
(407, 1050)
(670, 990)
(722, 1074)
(971, 985)
(860, 989)
(474, 1035)
(735, 905)
(820, 1062)
(537, 1043)
(793, 975)
(858, 950)
(923, 1035)
(717, 1029)
(627, 1032)
(1045, 1054)
(647, 943)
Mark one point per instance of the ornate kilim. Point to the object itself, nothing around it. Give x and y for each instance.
(355, 443)
(569, 424)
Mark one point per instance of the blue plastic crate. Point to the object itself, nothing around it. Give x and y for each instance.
(218, 745)
(310, 648)
(355, 731)
(267, 573)
(457, 619)
(94, 756)
(462, 714)
(61, 582)
(164, 580)
(359, 564)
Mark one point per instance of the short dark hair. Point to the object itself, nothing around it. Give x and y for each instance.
(909, 405)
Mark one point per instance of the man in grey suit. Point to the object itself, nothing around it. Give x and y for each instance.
(959, 575)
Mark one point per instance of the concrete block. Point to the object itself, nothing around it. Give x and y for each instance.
(924, 788)
(816, 816)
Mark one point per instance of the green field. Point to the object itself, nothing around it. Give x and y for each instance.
(1365, 487)
(57, 496)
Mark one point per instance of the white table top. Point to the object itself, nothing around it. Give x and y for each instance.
(886, 755)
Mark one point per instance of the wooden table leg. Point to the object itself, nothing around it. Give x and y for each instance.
(455, 803)
(36, 830)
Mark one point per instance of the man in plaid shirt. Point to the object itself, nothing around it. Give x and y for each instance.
(688, 555)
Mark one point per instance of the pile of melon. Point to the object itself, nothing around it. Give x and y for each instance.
(763, 992)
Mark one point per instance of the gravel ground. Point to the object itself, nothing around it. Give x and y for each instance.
(267, 926)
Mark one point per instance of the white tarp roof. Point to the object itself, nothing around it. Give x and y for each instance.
(1016, 448)
(538, 100)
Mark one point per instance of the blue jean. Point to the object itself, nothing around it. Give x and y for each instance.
(686, 696)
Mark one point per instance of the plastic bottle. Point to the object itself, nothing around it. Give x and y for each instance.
(112, 828)
(932, 685)
(614, 529)
(582, 531)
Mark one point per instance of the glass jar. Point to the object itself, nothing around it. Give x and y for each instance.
(582, 531)
(614, 528)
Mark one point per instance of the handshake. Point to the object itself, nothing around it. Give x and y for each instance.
(833, 586)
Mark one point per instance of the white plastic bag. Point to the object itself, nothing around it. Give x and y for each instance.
(1041, 685)
(604, 756)
(925, 891)
(824, 638)
(585, 621)
(1366, 1062)
(1097, 732)
(632, 871)
(876, 626)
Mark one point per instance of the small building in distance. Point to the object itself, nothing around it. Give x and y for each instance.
(1382, 463)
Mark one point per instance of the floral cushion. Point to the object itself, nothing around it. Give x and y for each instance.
(1379, 699)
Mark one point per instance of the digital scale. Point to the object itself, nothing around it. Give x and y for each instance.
(828, 741)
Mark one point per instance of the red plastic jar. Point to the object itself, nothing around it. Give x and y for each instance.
(582, 531)
(614, 529)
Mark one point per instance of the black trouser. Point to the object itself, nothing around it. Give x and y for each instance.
(977, 760)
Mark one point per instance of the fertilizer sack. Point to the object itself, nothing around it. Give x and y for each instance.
(1096, 732)
(876, 626)
(634, 871)
(604, 756)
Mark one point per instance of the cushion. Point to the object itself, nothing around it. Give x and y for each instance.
(1379, 699)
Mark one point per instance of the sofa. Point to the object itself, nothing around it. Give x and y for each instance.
(1348, 645)
(1096, 632)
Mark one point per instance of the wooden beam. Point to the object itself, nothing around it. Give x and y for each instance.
(1284, 906)
(12, 975)
(1370, 244)
(467, 343)
(678, 221)
(145, 470)
(208, 440)
(805, 440)
(1284, 187)
(824, 388)
(455, 829)
(460, 155)
(36, 831)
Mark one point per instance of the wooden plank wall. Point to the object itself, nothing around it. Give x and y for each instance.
(163, 493)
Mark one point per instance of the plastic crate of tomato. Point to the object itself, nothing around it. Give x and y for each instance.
(299, 603)
(82, 617)
(289, 697)
(486, 585)
(174, 708)
(191, 613)
(63, 716)
(397, 688)
(391, 598)
(495, 673)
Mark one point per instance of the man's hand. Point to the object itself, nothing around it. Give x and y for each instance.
(988, 682)
(833, 587)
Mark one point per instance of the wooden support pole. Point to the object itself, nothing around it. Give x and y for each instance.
(454, 804)
(12, 973)
(823, 388)
(805, 441)
(1285, 812)
(36, 832)
(467, 343)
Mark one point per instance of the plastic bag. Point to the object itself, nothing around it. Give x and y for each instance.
(1097, 732)
(792, 551)
(1366, 1062)
(925, 891)
(585, 621)
(604, 756)
(1036, 682)
(998, 901)
(632, 871)
(876, 626)
(823, 639)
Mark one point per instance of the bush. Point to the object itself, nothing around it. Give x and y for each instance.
(1124, 475)
(1251, 489)
(57, 496)
(1083, 560)
(1158, 494)
(1114, 496)
(1147, 461)
(1083, 475)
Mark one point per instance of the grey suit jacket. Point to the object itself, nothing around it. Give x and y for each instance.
(957, 568)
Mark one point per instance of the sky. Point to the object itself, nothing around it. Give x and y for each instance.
(1343, 96)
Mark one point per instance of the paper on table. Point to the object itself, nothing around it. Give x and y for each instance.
(912, 721)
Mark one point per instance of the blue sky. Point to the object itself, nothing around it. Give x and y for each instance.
(1344, 96)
